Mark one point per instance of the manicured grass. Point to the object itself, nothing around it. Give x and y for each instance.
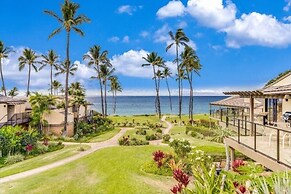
(104, 136)
(111, 170)
(137, 119)
(41, 160)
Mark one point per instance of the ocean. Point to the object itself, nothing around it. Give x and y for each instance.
(138, 105)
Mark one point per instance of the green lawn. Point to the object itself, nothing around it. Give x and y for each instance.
(111, 170)
(104, 136)
(41, 160)
(172, 118)
(137, 119)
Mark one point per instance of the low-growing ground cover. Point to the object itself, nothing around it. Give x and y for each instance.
(111, 170)
(41, 160)
(136, 120)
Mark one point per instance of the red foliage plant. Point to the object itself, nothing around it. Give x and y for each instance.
(181, 177)
(177, 188)
(158, 157)
(236, 164)
(28, 147)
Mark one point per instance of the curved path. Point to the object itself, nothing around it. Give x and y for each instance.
(94, 147)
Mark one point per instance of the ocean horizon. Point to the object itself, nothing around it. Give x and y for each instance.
(141, 105)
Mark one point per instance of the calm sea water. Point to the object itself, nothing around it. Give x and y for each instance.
(137, 105)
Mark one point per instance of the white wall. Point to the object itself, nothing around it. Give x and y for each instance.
(285, 81)
(3, 113)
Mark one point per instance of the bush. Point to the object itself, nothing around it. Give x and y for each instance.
(155, 136)
(127, 141)
(159, 130)
(181, 147)
(201, 130)
(207, 123)
(14, 159)
(166, 138)
(141, 132)
(55, 146)
(152, 168)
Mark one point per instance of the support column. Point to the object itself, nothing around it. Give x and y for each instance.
(220, 113)
(252, 114)
(232, 156)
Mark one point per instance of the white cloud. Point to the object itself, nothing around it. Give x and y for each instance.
(258, 29)
(212, 13)
(129, 9)
(287, 7)
(172, 9)
(287, 19)
(144, 34)
(114, 39)
(125, 39)
(130, 64)
(182, 24)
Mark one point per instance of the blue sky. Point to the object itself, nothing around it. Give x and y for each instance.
(241, 44)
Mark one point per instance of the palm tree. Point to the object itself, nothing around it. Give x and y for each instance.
(96, 58)
(76, 86)
(178, 39)
(56, 85)
(105, 73)
(155, 61)
(190, 63)
(167, 73)
(29, 58)
(69, 21)
(4, 51)
(13, 92)
(50, 59)
(114, 88)
(40, 105)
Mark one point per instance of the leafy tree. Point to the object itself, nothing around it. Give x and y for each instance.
(13, 92)
(40, 105)
(190, 63)
(114, 88)
(177, 40)
(28, 58)
(96, 58)
(56, 85)
(50, 59)
(155, 61)
(69, 21)
(4, 52)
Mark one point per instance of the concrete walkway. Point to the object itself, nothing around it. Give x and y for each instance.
(94, 147)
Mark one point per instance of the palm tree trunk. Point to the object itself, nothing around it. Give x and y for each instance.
(28, 80)
(67, 82)
(101, 90)
(105, 99)
(158, 106)
(159, 100)
(191, 96)
(170, 98)
(114, 97)
(2, 78)
(51, 80)
(179, 85)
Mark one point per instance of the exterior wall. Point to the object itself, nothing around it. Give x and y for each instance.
(3, 113)
(82, 111)
(10, 111)
(56, 117)
(286, 105)
(285, 81)
(19, 108)
(58, 129)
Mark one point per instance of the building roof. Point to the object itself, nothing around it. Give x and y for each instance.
(13, 100)
(236, 101)
(279, 78)
(277, 89)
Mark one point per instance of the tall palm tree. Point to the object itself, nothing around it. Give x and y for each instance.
(28, 58)
(4, 52)
(178, 39)
(105, 73)
(190, 63)
(50, 59)
(96, 58)
(69, 21)
(13, 92)
(56, 85)
(114, 88)
(155, 61)
(167, 73)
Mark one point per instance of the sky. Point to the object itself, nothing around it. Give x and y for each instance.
(241, 44)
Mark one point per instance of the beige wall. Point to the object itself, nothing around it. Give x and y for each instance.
(57, 130)
(82, 112)
(56, 117)
(284, 82)
(3, 113)
(286, 105)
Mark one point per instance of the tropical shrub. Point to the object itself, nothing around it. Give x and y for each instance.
(166, 138)
(141, 132)
(155, 136)
(13, 159)
(152, 168)
(127, 141)
(181, 147)
(207, 123)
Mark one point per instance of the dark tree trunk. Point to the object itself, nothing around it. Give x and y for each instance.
(51, 80)
(114, 97)
(67, 82)
(105, 99)
(2, 78)
(158, 104)
(170, 97)
(28, 80)
(179, 85)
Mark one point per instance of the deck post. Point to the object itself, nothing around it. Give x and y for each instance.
(278, 145)
(255, 137)
(252, 114)
(232, 156)
(220, 113)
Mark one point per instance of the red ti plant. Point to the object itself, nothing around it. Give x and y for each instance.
(183, 181)
(28, 147)
(236, 164)
(158, 157)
